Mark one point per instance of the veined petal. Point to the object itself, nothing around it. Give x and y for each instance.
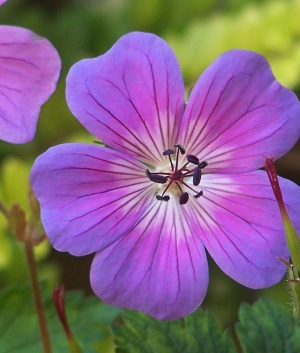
(239, 221)
(238, 114)
(158, 267)
(89, 195)
(29, 70)
(132, 97)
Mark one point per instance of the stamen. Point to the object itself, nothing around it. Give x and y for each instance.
(168, 152)
(184, 197)
(192, 159)
(162, 198)
(158, 178)
(197, 176)
(202, 165)
(175, 178)
(200, 193)
(181, 149)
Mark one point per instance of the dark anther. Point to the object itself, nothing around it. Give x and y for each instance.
(192, 159)
(157, 178)
(200, 193)
(162, 198)
(177, 175)
(184, 197)
(181, 149)
(168, 152)
(202, 165)
(197, 176)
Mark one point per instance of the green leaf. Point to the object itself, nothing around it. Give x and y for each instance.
(19, 333)
(266, 327)
(199, 332)
(293, 343)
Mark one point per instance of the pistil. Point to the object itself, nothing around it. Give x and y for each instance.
(177, 175)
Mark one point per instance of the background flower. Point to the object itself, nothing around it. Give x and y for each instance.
(29, 67)
(151, 254)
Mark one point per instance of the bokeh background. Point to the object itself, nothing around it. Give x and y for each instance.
(198, 31)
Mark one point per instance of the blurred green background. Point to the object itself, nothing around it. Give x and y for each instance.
(198, 31)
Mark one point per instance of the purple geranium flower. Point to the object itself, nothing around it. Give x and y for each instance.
(29, 67)
(176, 179)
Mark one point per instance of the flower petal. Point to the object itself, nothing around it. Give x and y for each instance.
(132, 98)
(239, 221)
(89, 195)
(2, 2)
(29, 69)
(238, 114)
(158, 266)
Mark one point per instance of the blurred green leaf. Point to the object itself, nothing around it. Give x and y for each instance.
(19, 332)
(199, 332)
(271, 28)
(15, 182)
(293, 344)
(265, 327)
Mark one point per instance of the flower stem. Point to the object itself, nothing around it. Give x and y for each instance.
(59, 296)
(37, 297)
(40, 310)
(292, 239)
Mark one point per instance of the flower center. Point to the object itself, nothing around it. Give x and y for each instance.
(177, 175)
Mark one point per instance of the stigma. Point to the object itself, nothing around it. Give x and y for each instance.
(192, 168)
